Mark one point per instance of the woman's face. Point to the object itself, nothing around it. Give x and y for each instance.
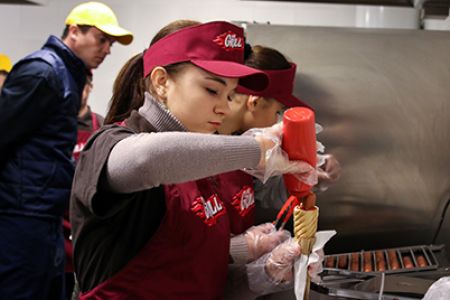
(199, 99)
(266, 112)
(248, 111)
(234, 121)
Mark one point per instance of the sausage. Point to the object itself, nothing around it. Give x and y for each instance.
(381, 266)
(421, 261)
(381, 262)
(329, 262)
(342, 262)
(355, 262)
(392, 254)
(309, 201)
(367, 263)
(407, 262)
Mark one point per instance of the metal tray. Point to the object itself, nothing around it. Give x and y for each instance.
(392, 260)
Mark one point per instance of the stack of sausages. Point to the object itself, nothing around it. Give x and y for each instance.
(376, 261)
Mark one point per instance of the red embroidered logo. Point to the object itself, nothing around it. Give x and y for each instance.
(244, 201)
(230, 41)
(210, 210)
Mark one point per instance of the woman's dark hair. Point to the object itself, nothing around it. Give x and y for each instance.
(265, 58)
(130, 85)
(128, 90)
(247, 51)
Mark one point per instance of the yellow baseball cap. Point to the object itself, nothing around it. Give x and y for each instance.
(5, 63)
(102, 17)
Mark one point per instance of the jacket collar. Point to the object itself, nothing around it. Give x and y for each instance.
(72, 62)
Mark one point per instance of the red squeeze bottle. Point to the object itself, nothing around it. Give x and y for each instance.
(299, 142)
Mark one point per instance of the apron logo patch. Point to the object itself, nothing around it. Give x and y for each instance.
(208, 210)
(79, 147)
(244, 201)
(77, 150)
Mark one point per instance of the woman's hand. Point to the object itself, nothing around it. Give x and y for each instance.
(263, 238)
(329, 172)
(274, 160)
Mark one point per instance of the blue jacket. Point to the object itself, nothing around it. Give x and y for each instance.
(39, 104)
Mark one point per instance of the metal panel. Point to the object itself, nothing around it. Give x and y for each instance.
(443, 236)
(355, 2)
(21, 2)
(383, 98)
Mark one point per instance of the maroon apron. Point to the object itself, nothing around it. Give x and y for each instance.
(236, 189)
(187, 257)
(82, 137)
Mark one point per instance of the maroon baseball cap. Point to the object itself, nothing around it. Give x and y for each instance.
(217, 47)
(281, 86)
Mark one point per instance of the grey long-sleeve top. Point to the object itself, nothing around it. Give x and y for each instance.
(147, 160)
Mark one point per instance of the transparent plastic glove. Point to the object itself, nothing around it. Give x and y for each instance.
(316, 268)
(319, 128)
(280, 263)
(328, 173)
(274, 271)
(307, 265)
(275, 161)
(263, 238)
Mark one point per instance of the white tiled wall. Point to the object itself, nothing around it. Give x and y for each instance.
(24, 28)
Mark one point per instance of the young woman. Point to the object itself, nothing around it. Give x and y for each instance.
(255, 109)
(145, 223)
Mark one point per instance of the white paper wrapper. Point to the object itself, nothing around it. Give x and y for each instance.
(301, 265)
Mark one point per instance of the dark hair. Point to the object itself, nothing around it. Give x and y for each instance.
(130, 85)
(128, 90)
(247, 51)
(83, 28)
(265, 58)
(3, 72)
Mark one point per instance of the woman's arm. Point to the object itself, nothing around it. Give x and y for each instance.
(147, 160)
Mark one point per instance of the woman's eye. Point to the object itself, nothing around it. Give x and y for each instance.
(211, 91)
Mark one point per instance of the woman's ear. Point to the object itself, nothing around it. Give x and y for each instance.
(159, 79)
(252, 102)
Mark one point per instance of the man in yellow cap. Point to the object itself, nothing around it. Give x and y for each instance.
(39, 104)
(5, 68)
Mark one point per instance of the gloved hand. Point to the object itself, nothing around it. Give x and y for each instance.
(316, 268)
(274, 271)
(263, 238)
(274, 160)
(280, 262)
(328, 173)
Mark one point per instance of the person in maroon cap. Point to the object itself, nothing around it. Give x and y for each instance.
(255, 109)
(241, 192)
(146, 220)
